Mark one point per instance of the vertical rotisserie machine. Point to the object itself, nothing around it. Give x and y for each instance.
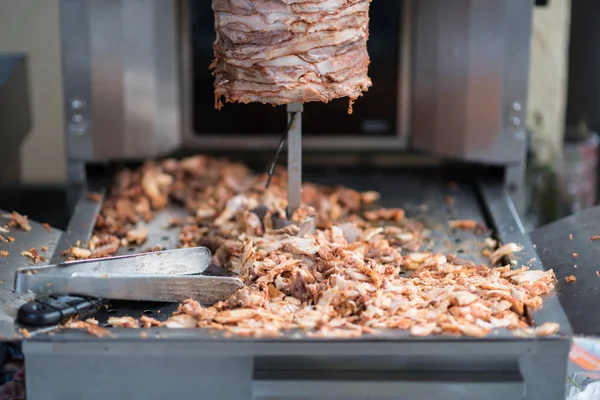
(450, 88)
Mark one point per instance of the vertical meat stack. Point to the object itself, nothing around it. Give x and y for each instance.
(284, 51)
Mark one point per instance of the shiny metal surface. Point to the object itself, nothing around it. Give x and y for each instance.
(81, 224)
(223, 369)
(121, 69)
(142, 287)
(294, 164)
(464, 65)
(193, 260)
(15, 108)
(77, 99)
(10, 301)
(509, 228)
(566, 247)
(471, 66)
(306, 385)
(405, 83)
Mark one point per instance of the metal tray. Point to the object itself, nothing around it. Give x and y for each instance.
(192, 361)
(424, 195)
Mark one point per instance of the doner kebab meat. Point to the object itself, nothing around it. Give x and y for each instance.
(283, 51)
(346, 279)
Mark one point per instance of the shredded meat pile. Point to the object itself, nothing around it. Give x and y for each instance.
(283, 51)
(360, 272)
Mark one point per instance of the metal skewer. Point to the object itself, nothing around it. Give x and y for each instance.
(273, 164)
(294, 163)
(293, 135)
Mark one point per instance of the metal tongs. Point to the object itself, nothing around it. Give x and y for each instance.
(165, 276)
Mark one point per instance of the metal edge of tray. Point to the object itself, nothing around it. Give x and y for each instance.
(501, 214)
(81, 223)
(39, 236)
(509, 229)
(56, 242)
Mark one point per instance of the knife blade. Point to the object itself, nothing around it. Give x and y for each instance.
(163, 288)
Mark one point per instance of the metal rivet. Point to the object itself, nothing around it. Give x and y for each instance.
(77, 118)
(516, 106)
(516, 121)
(77, 104)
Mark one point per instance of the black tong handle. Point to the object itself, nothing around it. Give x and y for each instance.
(55, 309)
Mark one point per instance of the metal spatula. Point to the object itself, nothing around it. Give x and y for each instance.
(157, 276)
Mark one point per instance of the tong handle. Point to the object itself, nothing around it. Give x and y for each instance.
(55, 309)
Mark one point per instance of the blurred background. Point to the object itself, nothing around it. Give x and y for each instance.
(563, 105)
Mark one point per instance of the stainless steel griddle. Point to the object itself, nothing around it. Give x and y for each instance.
(192, 361)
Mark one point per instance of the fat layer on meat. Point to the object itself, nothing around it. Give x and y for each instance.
(278, 51)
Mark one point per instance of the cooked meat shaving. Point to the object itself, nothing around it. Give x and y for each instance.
(148, 322)
(33, 255)
(505, 251)
(94, 197)
(18, 220)
(137, 236)
(123, 322)
(463, 224)
(90, 325)
(546, 329)
(343, 280)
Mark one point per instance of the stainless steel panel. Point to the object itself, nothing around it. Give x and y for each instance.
(9, 300)
(470, 78)
(463, 98)
(15, 109)
(121, 73)
(387, 385)
(76, 81)
(216, 370)
(156, 377)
